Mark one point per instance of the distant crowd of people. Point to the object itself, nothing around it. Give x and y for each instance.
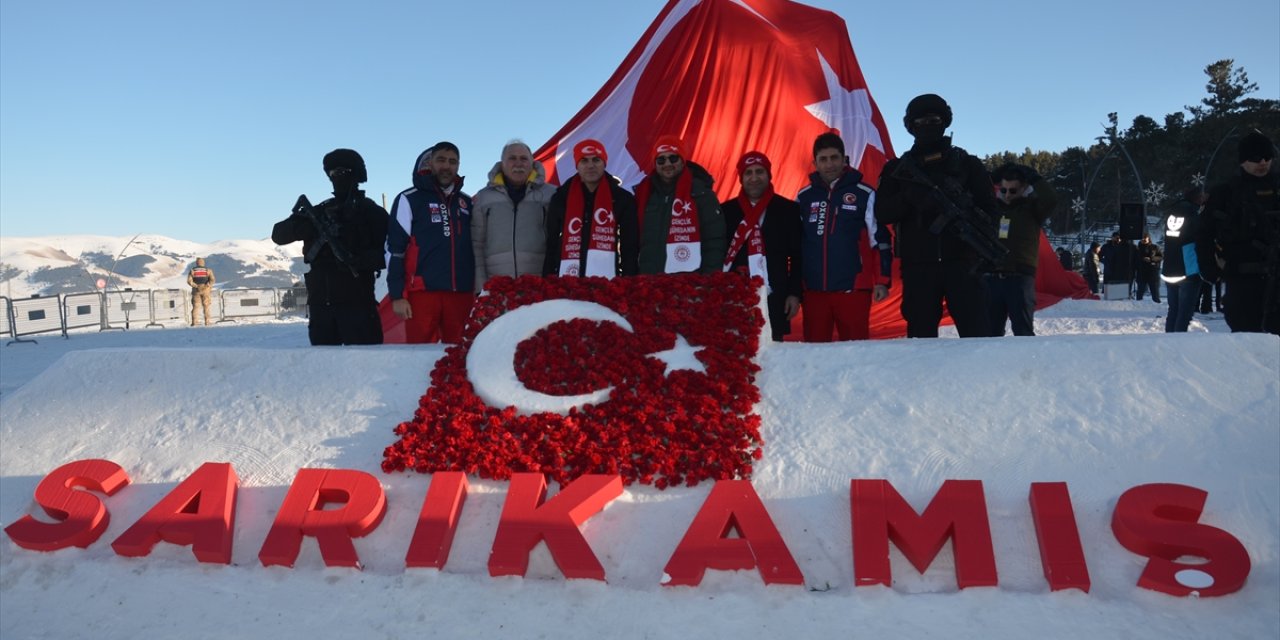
(1221, 250)
(965, 237)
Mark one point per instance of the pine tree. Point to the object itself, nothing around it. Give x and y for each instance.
(1227, 88)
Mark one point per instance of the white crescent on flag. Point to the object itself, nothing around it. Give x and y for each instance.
(491, 360)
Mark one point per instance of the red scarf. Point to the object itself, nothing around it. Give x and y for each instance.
(749, 234)
(684, 234)
(602, 257)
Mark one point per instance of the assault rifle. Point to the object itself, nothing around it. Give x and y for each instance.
(974, 225)
(328, 230)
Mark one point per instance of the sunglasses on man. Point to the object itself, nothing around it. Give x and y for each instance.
(1259, 159)
(928, 120)
(665, 159)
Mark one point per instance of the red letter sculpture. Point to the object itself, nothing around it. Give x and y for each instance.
(1161, 521)
(303, 514)
(200, 512)
(526, 521)
(438, 521)
(81, 515)
(958, 511)
(732, 505)
(1061, 554)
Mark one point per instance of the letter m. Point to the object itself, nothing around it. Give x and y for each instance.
(958, 511)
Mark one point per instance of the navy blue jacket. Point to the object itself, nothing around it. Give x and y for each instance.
(440, 228)
(839, 223)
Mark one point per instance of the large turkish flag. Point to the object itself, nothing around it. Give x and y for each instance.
(730, 76)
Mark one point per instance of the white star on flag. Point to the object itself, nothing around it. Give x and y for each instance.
(848, 111)
(682, 356)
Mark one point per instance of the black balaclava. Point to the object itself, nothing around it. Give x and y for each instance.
(929, 137)
(345, 169)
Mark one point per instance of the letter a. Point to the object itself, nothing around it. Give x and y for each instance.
(200, 512)
(732, 505)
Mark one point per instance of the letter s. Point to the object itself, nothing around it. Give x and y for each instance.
(1161, 521)
(81, 516)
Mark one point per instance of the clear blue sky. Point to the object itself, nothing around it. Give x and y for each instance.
(203, 121)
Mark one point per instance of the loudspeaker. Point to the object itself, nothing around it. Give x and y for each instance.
(1133, 221)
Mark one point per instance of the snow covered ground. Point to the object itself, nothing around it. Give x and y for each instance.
(1101, 400)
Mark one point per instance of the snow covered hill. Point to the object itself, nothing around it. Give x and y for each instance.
(51, 265)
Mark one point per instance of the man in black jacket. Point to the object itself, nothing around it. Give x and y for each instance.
(937, 264)
(340, 295)
(1239, 239)
(764, 239)
(591, 231)
(1180, 270)
(1149, 258)
(1025, 203)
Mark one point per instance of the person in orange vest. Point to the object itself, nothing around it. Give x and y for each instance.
(201, 280)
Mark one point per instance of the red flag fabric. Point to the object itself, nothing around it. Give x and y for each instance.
(728, 76)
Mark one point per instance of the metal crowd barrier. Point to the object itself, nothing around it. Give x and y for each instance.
(169, 305)
(247, 303)
(36, 315)
(127, 308)
(293, 300)
(82, 310)
(6, 318)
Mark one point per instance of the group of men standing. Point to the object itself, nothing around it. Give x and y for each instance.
(966, 238)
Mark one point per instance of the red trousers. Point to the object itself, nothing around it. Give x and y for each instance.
(438, 316)
(847, 312)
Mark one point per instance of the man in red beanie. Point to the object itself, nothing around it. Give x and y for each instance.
(681, 228)
(591, 221)
(764, 239)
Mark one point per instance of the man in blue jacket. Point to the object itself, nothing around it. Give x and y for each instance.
(431, 275)
(846, 256)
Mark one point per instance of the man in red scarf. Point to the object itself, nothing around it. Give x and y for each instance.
(681, 228)
(591, 221)
(764, 239)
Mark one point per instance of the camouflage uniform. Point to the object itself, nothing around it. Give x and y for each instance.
(201, 280)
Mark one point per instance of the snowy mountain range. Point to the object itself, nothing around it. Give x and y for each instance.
(51, 265)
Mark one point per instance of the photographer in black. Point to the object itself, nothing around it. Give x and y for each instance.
(1239, 239)
(344, 240)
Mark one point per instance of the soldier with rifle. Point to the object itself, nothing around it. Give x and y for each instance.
(344, 241)
(1239, 239)
(940, 202)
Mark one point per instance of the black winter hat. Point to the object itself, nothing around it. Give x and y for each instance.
(1254, 146)
(348, 159)
(927, 104)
